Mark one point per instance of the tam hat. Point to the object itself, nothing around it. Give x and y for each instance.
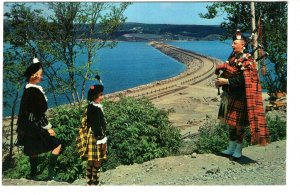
(94, 91)
(33, 68)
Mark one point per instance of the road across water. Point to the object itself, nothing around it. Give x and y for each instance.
(199, 68)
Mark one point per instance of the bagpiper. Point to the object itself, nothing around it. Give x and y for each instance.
(241, 100)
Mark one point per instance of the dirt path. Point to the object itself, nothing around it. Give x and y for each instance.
(258, 166)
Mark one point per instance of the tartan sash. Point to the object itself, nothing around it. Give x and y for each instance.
(83, 135)
(257, 120)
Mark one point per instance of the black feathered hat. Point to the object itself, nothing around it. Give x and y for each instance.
(94, 92)
(33, 68)
(239, 36)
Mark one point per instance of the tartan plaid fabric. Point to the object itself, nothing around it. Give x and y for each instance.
(228, 71)
(94, 152)
(82, 137)
(236, 113)
(256, 115)
(253, 104)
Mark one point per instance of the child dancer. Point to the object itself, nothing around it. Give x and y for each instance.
(96, 124)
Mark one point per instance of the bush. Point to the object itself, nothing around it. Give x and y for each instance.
(66, 121)
(213, 137)
(137, 132)
(21, 168)
(277, 128)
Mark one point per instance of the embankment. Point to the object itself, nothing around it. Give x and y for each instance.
(198, 69)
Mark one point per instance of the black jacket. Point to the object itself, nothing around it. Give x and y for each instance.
(33, 107)
(32, 124)
(236, 87)
(96, 120)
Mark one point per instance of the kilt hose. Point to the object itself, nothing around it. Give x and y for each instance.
(94, 152)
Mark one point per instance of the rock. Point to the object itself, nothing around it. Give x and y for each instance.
(214, 170)
(194, 155)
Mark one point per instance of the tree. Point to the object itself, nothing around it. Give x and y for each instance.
(99, 23)
(18, 52)
(55, 39)
(91, 23)
(273, 21)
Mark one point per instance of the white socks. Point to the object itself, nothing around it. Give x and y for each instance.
(238, 151)
(230, 149)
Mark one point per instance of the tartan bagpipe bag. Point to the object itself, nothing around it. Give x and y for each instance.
(82, 137)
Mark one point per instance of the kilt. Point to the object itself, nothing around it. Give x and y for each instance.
(38, 140)
(237, 112)
(94, 152)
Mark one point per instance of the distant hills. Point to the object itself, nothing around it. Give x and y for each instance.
(155, 32)
(160, 32)
(146, 32)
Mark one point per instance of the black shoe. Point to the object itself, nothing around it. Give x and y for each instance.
(96, 183)
(90, 182)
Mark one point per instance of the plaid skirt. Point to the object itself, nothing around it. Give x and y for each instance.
(237, 112)
(94, 151)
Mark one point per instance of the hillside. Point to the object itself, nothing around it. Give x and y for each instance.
(154, 32)
(141, 32)
(258, 166)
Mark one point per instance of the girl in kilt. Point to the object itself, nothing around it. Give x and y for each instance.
(96, 124)
(34, 131)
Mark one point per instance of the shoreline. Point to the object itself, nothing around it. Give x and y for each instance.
(198, 69)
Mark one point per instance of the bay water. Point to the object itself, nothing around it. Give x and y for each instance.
(131, 64)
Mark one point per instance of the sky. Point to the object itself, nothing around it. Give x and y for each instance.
(161, 12)
(169, 13)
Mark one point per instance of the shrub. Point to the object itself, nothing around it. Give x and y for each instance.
(277, 128)
(137, 132)
(67, 121)
(21, 168)
(213, 137)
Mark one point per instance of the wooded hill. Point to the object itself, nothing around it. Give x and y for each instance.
(170, 31)
(146, 32)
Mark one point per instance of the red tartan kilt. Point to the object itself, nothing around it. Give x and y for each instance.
(237, 113)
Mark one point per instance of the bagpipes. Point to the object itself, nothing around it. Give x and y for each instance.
(229, 71)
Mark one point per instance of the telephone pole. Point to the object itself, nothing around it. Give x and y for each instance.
(253, 25)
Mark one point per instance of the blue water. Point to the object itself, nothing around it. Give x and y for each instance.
(128, 65)
(131, 64)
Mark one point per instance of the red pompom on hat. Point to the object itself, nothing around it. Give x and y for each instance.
(94, 92)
